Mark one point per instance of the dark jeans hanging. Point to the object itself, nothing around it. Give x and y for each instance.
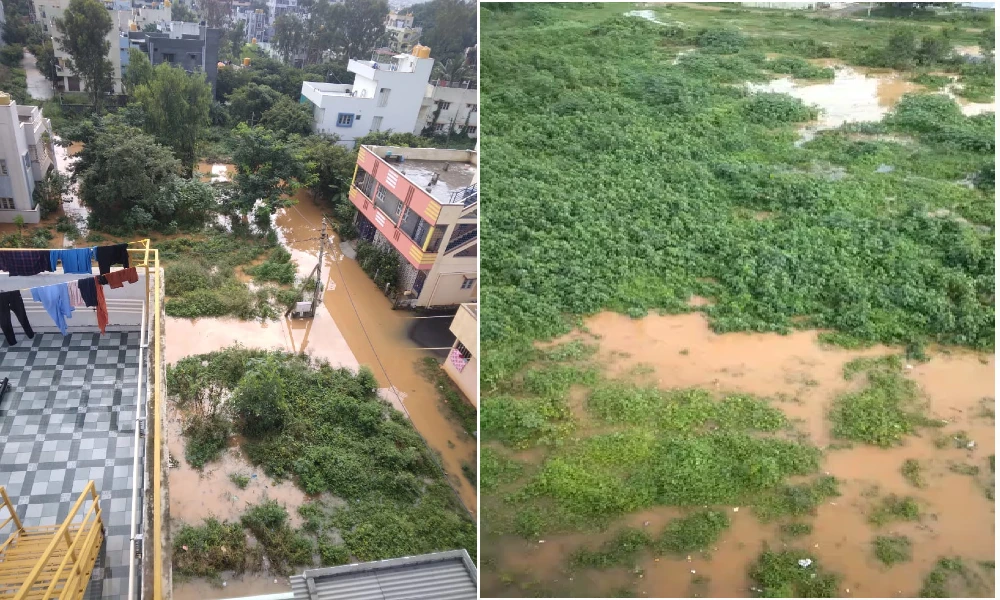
(12, 301)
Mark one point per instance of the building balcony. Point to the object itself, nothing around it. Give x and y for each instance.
(411, 250)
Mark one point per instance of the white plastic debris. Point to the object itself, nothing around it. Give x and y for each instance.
(736, 509)
(805, 562)
(541, 541)
(848, 590)
(224, 583)
(275, 581)
(971, 444)
(692, 571)
(909, 367)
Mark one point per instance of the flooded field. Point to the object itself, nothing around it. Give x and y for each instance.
(856, 94)
(681, 351)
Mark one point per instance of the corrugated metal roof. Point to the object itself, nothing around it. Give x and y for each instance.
(439, 576)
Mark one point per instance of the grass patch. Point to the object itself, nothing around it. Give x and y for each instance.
(964, 469)
(795, 530)
(796, 500)
(459, 409)
(200, 277)
(913, 473)
(240, 480)
(284, 547)
(212, 548)
(885, 411)
(207, 439)
(780, 575)
(892, 549)
(951, 577)
(496, 470)
(894, 508)
(694, 532)
(621, 550)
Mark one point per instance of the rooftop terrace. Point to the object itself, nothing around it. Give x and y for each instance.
(67, 418)
(444, 174)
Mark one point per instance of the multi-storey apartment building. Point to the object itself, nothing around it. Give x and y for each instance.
(403, 36)
(449, 107)
(191, 46)
(422, 203)
(386, 96)
(26, 156)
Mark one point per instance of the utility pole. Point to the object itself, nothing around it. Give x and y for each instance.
(319, 268)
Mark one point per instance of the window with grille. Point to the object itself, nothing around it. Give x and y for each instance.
(383, 97)
(365, 182)
(471, 129)
(377, 124)
(3, 168)
(445, 105)
(467, 284)
(345, 119)
(7, 203)
(473, 107)
(460, 356)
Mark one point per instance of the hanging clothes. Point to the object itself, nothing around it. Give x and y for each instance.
(111, 255)
(55, 299)
(25, 262)
(75, 298)
(102, 306)
(12, 301)
(88, 290)
(76, 260)
(117, 279)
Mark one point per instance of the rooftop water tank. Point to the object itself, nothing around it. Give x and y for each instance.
(421, 51)
(246, 62)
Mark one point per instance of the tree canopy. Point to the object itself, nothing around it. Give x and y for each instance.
(176, 105)
(84, 27)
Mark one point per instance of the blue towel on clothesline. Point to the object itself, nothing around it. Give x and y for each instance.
(55, 299)
(75, 260)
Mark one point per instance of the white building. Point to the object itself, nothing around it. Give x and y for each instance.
(255, 28)
(449, 107)
(403, 36)
(385, 96)
(124, 18)
(462, 364)
(26, 155)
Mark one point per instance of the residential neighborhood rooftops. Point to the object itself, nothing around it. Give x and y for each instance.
(440, 576)
(447, 175)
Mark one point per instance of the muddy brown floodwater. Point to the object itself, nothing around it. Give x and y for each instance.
(682, 351)
(378, 337)
(855, 94)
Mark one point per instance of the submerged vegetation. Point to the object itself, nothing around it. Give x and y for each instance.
(648, 174)
(328, 431)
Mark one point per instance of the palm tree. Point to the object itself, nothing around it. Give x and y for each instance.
(452, 69)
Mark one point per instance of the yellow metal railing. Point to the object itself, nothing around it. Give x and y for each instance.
(63, 558)
(9, 506)
(151, 261)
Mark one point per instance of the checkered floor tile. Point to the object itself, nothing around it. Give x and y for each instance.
(68, 418)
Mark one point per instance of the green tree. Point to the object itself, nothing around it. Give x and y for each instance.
(188, 202)
(449, 27)
(216, 12)
(331, 166)
(176, 106)
(267, 170)
(49, 192)
(121, 173)
(289, 35)
(83, 29)
(139, 71)
(12, 55)
(987, 41)
(249, 103)
(45, 59)
(901, 50)
(19, 223)
(360, 26)
(150, 28)
(934, 49)
(181, 12)
(288, 117)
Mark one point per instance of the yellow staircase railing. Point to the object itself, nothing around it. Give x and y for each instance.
(51, 561)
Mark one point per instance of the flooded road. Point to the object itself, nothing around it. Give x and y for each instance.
(241, 586)
(855, 94)
(681, 351)
(377, 336)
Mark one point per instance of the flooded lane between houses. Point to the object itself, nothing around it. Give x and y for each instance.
(349, 329)
(681, 351)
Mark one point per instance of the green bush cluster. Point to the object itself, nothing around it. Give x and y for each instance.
(697, 531)
(892, 549)
(328, 430)
(214, 547)
(382, 265)
(780, 575)
(284, 547)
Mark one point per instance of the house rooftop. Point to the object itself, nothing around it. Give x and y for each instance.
(447, 175)
(439, 576)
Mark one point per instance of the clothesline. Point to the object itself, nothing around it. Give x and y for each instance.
(84, 276)
(105, 267)
(22, 249)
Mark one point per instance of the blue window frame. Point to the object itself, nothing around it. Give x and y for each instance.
(345, 119)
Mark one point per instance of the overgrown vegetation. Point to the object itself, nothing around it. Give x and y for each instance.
(951, 577)
(894, 508)
(885, 411)
(327, 430)
(695, 532)
(458, 408)
(650, 174)
(782, 575)
(214, 547)
(913, 472)
(892, 549)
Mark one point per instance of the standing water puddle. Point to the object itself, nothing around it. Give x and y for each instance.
(856, 94)
(681, 351)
